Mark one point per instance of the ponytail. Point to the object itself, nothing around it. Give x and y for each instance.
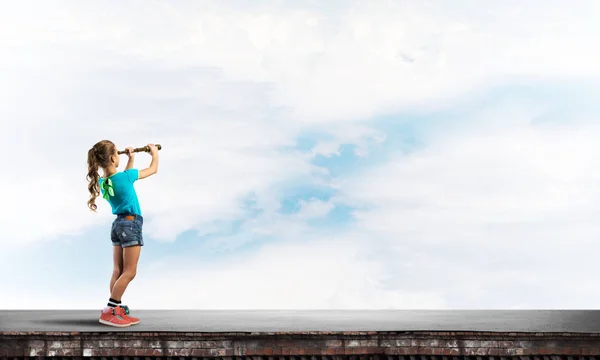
(99, 156)
(93, 176)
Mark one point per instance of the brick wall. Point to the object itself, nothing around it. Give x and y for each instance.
(268, 346)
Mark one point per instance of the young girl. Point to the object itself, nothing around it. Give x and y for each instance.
(126, 233)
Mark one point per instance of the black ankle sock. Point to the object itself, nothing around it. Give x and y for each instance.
(113, 303)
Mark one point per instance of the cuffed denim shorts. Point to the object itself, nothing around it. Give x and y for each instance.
(127, 230)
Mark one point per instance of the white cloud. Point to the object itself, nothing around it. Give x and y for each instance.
(139, 76)
(494, 214)
(359, 135)
(314, 208)
(279, 276)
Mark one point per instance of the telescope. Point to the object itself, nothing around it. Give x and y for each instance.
(140, 149)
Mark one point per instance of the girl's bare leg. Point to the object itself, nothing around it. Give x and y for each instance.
(131, 255)
(118, 265)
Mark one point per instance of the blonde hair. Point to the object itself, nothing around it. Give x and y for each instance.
(98, 156)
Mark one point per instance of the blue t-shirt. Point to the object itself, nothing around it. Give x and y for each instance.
(125, 199)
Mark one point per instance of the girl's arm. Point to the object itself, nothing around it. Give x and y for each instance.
(153, 168)
(130, 163)
(131, 156)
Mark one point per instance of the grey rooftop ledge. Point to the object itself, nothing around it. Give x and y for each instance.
(301, 321)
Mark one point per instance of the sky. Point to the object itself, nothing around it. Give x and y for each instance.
(376, 154)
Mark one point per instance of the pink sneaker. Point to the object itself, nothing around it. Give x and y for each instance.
(114, 317)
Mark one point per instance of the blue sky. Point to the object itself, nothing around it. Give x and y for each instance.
(382, 154)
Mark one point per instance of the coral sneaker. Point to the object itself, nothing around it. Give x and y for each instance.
(125, 315)
(113, 317)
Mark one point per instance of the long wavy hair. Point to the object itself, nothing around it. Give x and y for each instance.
(99, 156)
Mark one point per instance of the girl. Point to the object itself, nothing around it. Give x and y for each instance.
(126, 233)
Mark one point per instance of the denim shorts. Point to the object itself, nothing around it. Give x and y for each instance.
(127, 230)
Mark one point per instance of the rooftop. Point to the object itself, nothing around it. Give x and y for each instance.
(257, 321)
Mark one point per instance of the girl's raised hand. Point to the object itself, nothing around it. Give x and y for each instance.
(153, 149)
(129, 151)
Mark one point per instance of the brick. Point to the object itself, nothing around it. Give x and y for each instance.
(154, 344)
(191, 345)
(252, 344)
(510, 352)
(398, 342)
(130, 343)
(64, 352)
(174, 344)
(367, 350)
(215, 352)
(375, 350)
(178, 352)
(449, 343)
(308, 351)
(199, 352)
(157, 352)
(223, 344)
(141, 352)
(505, 344)
(475, 351)
(425, 350)
(489, 344)
(551, 344)
(36, 352)
(471, 343)
(119, 351)
(36, 344)
(106, 343)
(397, 351)
(413, 350)
(95, 352)
(333, 343)
(55, 345)
(423, 342)
(207, 344)
(525, 344)
(361, 343)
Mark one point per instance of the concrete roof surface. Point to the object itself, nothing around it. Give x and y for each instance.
(586, 321)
